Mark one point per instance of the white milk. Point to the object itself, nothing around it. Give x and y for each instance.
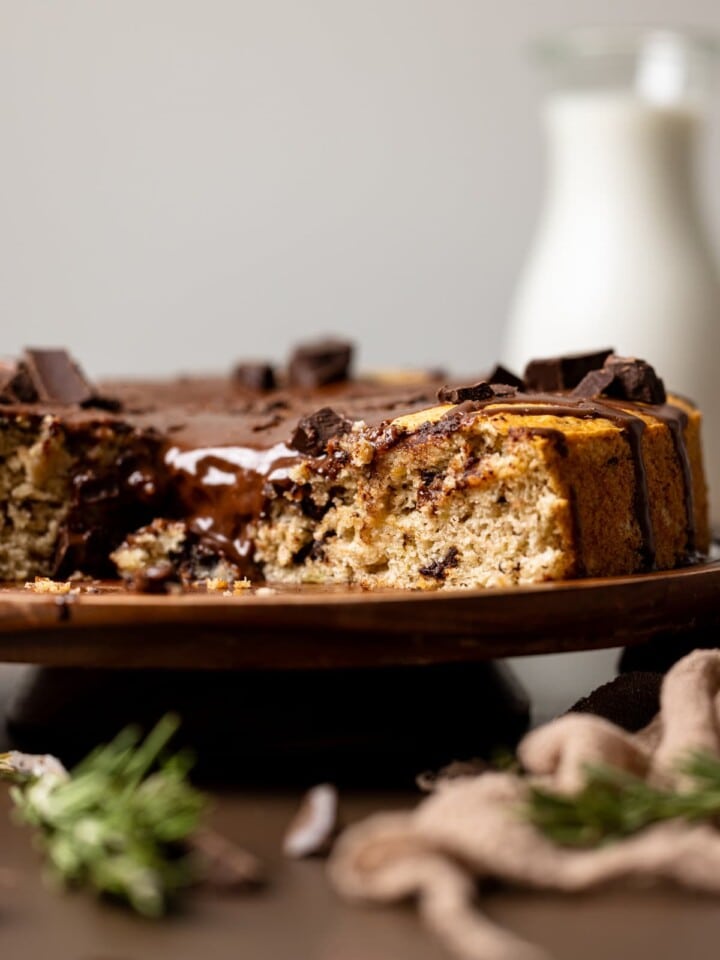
(621, 257)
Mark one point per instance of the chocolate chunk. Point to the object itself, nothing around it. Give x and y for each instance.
(254, 376)
(562, 373)
(634, 380)
(316, 364)
(99, 401)
(437, 569)
(160, 578)
(501, 390)
(56, 377)
(630, 700)
(502, 375)
(312, 433)
(475, 391)
(16, 385)
(7, 375)
(594, 384)
(623, 378)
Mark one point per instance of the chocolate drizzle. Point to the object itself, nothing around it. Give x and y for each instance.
(633, 429)
(675, 419)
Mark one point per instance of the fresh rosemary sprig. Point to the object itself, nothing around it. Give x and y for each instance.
(614, 804)
(120, 821)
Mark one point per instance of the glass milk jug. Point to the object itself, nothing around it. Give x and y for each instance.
(621, 257)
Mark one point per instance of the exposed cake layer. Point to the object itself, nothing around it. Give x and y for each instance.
(71, 486)
(513, 492)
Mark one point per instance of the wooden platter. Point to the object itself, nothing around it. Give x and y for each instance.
(313, 626)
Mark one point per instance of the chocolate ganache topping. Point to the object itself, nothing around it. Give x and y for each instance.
(210, 451)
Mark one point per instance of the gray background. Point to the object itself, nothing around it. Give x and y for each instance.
(186, 181)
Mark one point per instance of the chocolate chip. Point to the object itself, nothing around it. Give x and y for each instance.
(56, 377)
(254, 376)
(562, 373)
(623, 378)
(474, 391)
(437, 569)
(316, 364)
(312, 433)
(502, 375)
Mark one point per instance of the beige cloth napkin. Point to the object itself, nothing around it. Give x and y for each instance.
(471, 828)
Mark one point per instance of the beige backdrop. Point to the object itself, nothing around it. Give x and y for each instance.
(185, 181)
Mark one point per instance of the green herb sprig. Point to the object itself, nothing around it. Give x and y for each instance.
(118, 824)
(614, 804)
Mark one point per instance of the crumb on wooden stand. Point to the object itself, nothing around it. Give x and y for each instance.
(229, 588)
(47, 585)
(314, 826)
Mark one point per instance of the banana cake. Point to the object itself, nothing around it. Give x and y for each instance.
(582, 467)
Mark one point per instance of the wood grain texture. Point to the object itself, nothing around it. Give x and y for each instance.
(319, 627)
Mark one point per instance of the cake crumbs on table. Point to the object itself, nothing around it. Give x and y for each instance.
(47, 585)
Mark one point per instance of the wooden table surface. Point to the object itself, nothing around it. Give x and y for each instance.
(298, 916)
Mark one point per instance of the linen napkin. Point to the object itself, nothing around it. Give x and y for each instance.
(472, 828)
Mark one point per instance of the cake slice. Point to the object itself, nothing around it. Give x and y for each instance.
(506, 494)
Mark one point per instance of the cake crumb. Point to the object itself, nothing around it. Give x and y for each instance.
(46, 585)
(216, 584)
(265, 592)
(240, 586)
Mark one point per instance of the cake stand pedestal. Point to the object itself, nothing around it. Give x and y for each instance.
(388, 724)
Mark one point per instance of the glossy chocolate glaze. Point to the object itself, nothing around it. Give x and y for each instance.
(224, 444)
(205, 450)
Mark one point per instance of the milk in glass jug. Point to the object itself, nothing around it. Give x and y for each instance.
(621, 257)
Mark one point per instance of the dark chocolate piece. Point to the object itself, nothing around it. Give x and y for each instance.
(160, 578)
(623, 378)
(99, 401)
(634, 380)
(7, 375)
(16, 385)
(502, 375)
(562, 373)
(594, 384)
(56, 377)
(255, 376)
(475, 391)
(631, 700)
(320, 363)
(437, 569)
(503, 390)
(312, 433)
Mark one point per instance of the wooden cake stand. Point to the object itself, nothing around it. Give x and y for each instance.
(327, 680)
